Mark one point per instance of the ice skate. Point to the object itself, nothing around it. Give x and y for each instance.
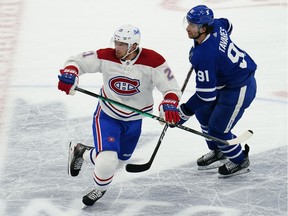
(211, 160)
(90, 198)
(75, 159)
(230, 169)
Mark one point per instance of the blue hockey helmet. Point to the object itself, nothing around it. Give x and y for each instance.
(200, 15)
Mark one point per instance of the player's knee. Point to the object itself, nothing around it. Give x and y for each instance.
(216, 132)
(106, 164)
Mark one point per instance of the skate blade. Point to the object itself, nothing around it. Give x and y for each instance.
(214, 165)
(244, 171)
(70, 155)
(84, 207)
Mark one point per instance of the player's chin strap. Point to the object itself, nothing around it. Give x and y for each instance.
(199, 34)
(128, 53)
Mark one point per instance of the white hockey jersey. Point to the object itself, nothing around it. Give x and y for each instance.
(130, 82)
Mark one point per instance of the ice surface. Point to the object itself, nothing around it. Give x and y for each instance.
(38, 121)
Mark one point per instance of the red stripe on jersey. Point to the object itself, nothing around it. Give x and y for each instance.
(98, 130)
(150, 58)
(147, 57)
(122, 112)
(108, 54)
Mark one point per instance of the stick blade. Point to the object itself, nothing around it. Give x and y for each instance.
(242, 138)
(135, 168)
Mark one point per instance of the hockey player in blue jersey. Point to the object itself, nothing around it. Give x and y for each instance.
(225, 87)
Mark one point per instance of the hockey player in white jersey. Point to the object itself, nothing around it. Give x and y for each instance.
(130, 74)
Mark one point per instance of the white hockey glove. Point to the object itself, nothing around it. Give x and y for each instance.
(183, 116)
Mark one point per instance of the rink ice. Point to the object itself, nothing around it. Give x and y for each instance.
(38, 121)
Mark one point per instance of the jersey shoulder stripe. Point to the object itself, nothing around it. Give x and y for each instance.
(150, 58)
(108, 54)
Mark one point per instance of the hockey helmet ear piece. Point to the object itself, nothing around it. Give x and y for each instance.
(127, 34)
(200, 15)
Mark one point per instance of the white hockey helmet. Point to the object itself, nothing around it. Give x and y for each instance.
(127, 34)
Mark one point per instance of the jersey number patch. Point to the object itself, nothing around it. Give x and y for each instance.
(203, 76)
(235, 55)
(168, 73)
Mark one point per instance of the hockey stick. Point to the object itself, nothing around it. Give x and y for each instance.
(146, 166)
(237, 140)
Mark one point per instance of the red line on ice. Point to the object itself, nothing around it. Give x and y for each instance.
(10, 12)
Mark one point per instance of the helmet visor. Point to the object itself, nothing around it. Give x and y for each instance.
(186, 23)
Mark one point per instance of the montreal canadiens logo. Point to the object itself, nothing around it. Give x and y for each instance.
(124, 85)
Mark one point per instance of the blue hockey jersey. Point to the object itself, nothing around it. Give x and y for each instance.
(218, 63)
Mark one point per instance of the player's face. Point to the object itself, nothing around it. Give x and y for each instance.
(192, 30)
(120, 49)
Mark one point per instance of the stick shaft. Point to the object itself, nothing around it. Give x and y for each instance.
(146, 166)
(230, 142)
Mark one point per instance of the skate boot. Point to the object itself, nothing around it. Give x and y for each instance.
(231, 169)
(211, 160)
(75, 159)
(90, 198)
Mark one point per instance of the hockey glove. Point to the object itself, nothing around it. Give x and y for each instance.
(68, 80)
(168, 109)
(183, 115)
